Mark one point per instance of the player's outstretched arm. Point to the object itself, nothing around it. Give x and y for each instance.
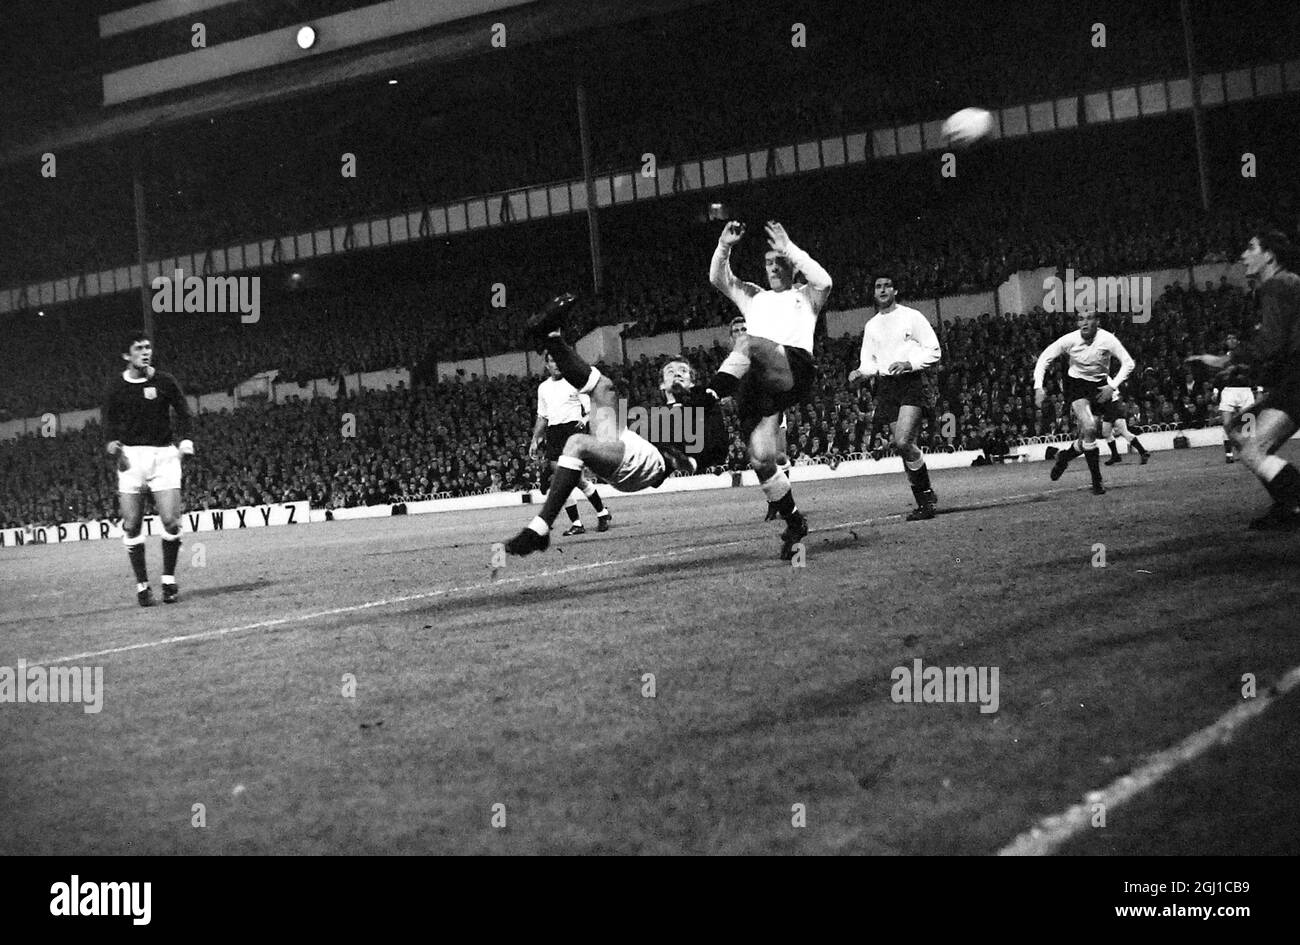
(819, 280)
(1126, 363)
(1050, 354)
(720, 275)
(923, 332)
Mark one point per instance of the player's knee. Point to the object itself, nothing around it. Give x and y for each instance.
(131, 529)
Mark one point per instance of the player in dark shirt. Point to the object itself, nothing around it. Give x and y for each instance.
(138, 411)
(1271, 359)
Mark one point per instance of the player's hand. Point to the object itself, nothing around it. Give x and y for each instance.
(777, 238)
(900, 367)
(1105, 394)
(1215, 361)
(856, 378)
(1040, 397)
(731, 233)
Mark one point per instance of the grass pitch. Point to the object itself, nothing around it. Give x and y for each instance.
(772, 683)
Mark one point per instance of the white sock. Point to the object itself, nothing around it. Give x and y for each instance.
(777, 487)
(539, 526)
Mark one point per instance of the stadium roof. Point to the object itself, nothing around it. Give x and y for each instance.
(45, 89)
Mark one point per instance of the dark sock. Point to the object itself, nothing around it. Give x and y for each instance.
(919, 478)
(1093, 456)
(724, 384)
(1068, 453)
(170, 550)
(563, 481)
(572, 512)
(136, 554)
(575, 370)
(594, 499)
(1285, 486)
(1137, 445)
(1114, 449)
(1227, 447)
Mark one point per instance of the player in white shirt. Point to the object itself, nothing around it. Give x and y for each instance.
(562, 412)
(1087, 382)
(770, 367)
(1114, 420)
(898, 344)
(1232, 401)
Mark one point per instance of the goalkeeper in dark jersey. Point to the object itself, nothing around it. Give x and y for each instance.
(620, 456)
(1271, 359)
(138, 410)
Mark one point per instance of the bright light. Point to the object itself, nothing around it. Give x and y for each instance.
(392, 81)
(296, 277)
(307, 37)
(41, 314)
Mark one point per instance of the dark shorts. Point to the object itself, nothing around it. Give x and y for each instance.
(754, 403)
(1079, 389)
(558, 435)
(894, 391)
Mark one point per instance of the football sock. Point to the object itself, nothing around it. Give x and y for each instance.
(777, 489)
(1227, 446)
(171, 545)
(135, 551)
(563, 481)
(1093, 456)
(573, 368)
(918, 475)
(1069, 452)
(571, 510)
(1114, 449)
(588, 488)
(1137, 445)
(1281, 479)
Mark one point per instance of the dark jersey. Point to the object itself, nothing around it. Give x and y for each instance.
(1274, 352)
(712, 445)
(138, 412)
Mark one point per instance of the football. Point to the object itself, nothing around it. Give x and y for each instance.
(967, 126)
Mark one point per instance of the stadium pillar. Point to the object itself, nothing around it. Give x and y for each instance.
(141, 240)
(1198, 122)
(593, 224)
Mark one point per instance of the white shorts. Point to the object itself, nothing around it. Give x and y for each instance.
(1236, 398)
(642, 467)
(155, 468)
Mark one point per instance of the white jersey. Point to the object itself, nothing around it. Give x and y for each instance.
(901, 334)
(559, 402)
(1088, 362)
(787, 317)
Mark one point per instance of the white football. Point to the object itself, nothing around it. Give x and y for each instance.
(967, 126)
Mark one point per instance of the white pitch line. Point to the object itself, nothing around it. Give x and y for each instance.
(405, 599)
(1049, 833)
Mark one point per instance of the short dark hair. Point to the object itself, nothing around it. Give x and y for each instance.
(131, 337)
(1280, 245)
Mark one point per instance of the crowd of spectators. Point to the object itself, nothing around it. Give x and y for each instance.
(469, 437)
